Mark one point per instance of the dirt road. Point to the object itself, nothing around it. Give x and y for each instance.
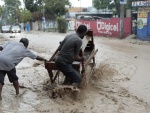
(120, 83)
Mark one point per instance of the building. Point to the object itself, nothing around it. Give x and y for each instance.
(143, 19)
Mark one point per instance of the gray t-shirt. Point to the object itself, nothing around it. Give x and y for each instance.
(12, 54)
(70, 48)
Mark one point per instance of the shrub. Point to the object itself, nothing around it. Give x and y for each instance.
(62, 28)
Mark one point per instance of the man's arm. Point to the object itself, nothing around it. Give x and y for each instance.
(31, 55)
(78, 50)
(1, 48)
(40, 58)
(80, 56)
(62, 43)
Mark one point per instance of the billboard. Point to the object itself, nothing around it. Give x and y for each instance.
(106, 27)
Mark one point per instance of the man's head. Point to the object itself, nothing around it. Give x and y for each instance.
(81, 30)
(25, 41)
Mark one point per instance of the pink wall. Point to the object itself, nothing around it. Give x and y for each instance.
(107, 27)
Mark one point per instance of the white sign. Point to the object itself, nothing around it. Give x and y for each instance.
(123, 1)
(107, 26)
(140, 3)
(88, 25)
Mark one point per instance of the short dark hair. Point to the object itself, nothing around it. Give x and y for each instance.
(81, 29)
(25, 41)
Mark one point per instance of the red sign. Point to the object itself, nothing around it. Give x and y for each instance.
(107, 27)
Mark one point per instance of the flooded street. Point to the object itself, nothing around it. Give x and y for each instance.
(120, 83)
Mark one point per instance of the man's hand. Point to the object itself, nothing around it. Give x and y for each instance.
(80, 58)
(41, 59)
(83, 58)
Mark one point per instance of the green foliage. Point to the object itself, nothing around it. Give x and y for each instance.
(14, 3)
(115, 6)
(62, 28)
(12, 6)
(25, 16)
(37, 15)
(100, 4)
(48, 8)
(55, 8)
(1, 11)
(33, 5)
(11, 11)
(129, 5)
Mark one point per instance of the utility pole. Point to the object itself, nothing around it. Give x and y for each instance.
(24, 16)
(80, 7)
(122, 4)
(121, 21)
(43, 18)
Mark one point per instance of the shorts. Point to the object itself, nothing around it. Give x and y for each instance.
(11, 75)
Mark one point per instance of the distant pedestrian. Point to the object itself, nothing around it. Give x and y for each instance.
(24, 27)
(134, 26)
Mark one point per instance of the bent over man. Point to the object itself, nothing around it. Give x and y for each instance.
(69, 52)
(12, 53)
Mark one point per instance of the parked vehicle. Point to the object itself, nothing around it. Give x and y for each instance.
(15, 29)
(5, 29)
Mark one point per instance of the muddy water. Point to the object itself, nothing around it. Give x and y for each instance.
(135, 63)
(120, 83)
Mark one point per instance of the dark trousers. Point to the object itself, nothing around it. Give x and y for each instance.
(134, 30)
(71, 74)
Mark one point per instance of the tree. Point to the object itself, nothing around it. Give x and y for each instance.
(12, 5)
(1, 11)
(47, 8)
(127, 6)
(101, 4)
(97, 4)
(116, 6)
(54, 8)
(25, 15)
(10, 9)
(33, 5)
(112, 4)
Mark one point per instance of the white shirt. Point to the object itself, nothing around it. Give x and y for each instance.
(12, 54)
(133, 23)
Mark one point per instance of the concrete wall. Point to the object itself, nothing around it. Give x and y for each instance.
(39, 25)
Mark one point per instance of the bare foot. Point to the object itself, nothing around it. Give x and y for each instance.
(22, 93)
